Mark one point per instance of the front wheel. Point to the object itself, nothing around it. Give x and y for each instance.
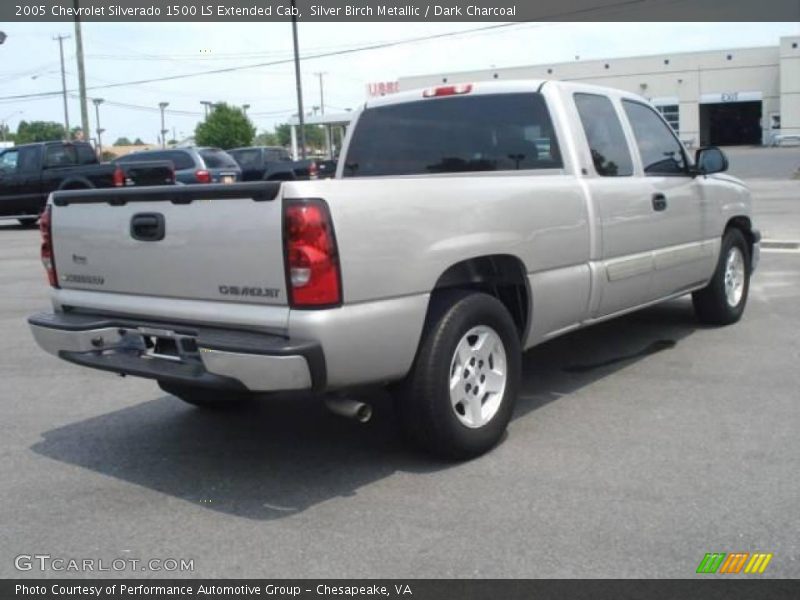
(457, 401)
(723, 300)
(205, 397)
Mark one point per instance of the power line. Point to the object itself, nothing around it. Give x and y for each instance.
(377, 46)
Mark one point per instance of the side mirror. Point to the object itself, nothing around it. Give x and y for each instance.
(710, 160)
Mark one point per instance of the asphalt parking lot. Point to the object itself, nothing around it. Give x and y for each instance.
(638, 446)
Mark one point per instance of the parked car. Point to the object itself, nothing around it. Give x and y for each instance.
(193, 165)
(273, 163)
(29, 172)
(453, 239)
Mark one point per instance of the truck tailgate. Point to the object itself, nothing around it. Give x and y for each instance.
(203, 242)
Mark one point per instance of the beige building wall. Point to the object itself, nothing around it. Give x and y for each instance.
(690, 79)
(790, 85)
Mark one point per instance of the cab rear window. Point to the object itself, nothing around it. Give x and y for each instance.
(498, 132)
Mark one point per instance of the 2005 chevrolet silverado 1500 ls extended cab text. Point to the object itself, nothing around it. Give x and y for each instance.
(466, 223)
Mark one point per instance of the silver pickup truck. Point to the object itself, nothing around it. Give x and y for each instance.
(465, 224)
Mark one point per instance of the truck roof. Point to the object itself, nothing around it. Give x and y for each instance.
(52, 142)
(496, 87)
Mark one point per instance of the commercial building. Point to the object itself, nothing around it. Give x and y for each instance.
(719, 97)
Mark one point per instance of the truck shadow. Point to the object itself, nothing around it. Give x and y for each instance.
(283, 455)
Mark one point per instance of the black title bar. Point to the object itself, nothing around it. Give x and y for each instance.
(401, 10)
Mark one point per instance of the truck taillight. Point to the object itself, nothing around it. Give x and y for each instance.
(447, 90)
(313, 170)
(202, 176)
(119, 177)
(312, 260)
(48, 261)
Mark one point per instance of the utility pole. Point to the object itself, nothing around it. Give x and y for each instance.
(81, 72)
(162, 106)
(244, 109)
(100, 130)
(321, 93)
(61, 39)
(298, 84)
(206, 106)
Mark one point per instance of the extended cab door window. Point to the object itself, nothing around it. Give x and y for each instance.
(610, 153)
(457, 134)
(60, 156)
(661, 152)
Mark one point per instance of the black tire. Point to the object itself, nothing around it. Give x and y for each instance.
(423, 400)
(711, 304)
(29, 222)
(205, 397)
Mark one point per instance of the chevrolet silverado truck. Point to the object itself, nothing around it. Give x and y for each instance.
(29, 172)
(465, 224)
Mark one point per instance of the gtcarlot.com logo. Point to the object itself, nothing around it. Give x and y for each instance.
(47, 562)
(731, 564)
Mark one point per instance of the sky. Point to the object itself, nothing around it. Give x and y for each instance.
(125, 52)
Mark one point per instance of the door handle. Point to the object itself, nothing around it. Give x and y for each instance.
(659, 202)
(148, 227)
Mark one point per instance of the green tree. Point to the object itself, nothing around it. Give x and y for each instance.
(138, 142)
(123, 141)
(315, 135)
(225, 127)
(6, 134)
(39, 131)
(266, 138)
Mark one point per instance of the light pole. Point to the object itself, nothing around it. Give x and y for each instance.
(61, 39)
(81, 72)
(162, 106)
(97, 102)
(321, 92)
(207, 104)
(244, 109)
(298, 84)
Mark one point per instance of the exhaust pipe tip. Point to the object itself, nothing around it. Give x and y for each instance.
(349, 408)
(364, 413)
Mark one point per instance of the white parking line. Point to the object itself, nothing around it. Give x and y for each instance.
(780, 246)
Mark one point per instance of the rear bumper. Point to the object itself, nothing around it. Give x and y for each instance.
(180, 353)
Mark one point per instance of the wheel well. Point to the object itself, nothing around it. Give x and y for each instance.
(500, 275)
(744, 225)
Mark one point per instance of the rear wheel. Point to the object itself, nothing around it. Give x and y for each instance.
(205, 397)
(723, 300)
(460, 395)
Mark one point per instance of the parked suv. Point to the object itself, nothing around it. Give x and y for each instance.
(194, 165)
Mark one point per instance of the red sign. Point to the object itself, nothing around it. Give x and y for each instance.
(382, 88)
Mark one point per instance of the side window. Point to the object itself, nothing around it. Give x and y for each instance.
(86, 155)
(610, 152)
(661, 152)
(61, 156)
(180, 159)
(28, 160)
(9, 160)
